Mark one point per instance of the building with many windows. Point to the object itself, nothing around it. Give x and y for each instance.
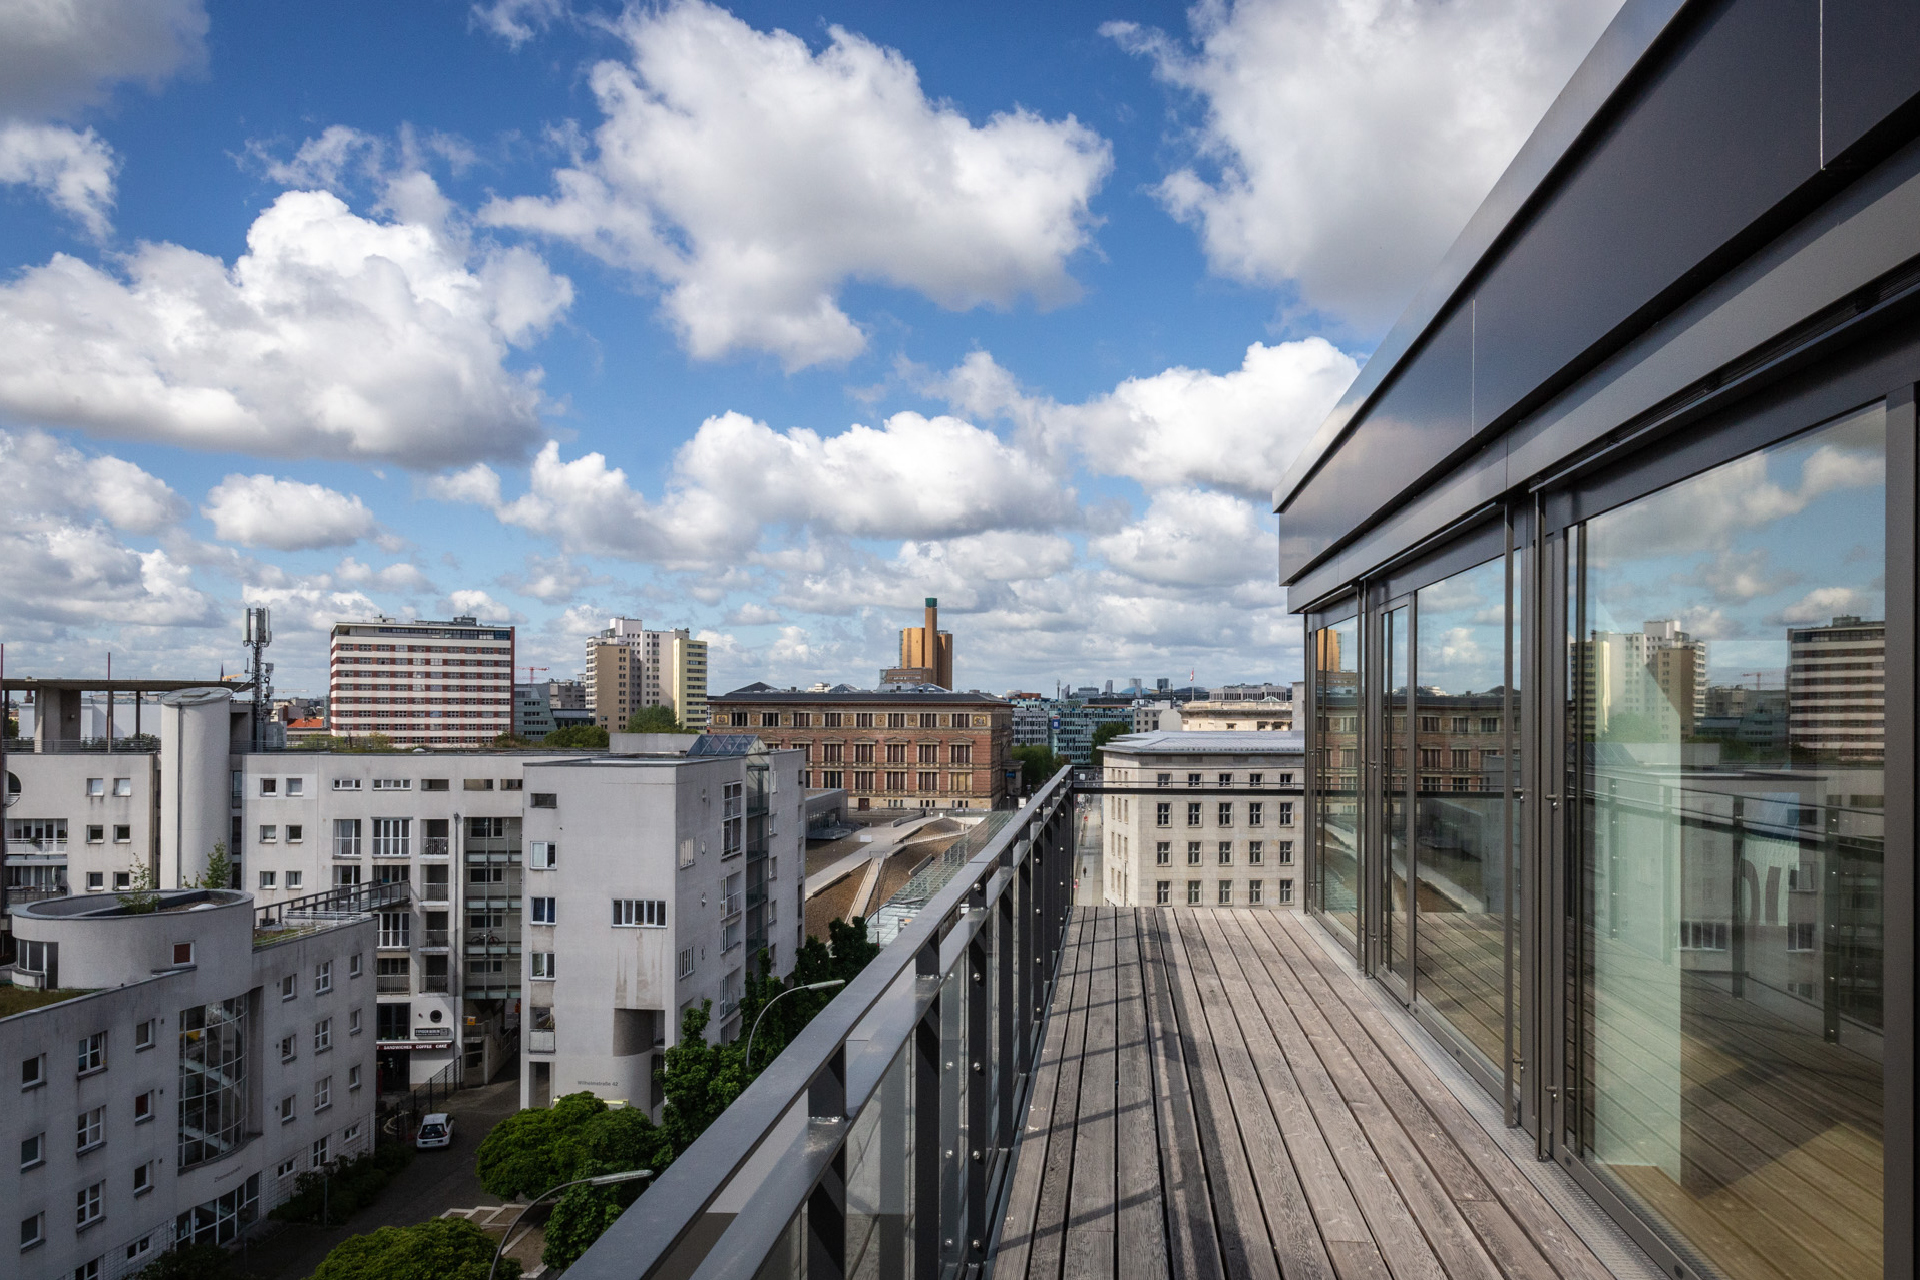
(176, 1064)
(1837, 688)
(630, 667)
(909, 749)
(431, 684)
(1202, 821)
(656, 876)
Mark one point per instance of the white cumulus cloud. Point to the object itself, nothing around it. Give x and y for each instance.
(332, 336)
(1345, 143)
(1237, 430)
(72, 168)
(753, 179)
(517, 21)
(57, 56)
(1191, 537)
(287, 515)
(66, 568)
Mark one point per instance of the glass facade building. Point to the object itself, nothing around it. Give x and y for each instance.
(1606, 566)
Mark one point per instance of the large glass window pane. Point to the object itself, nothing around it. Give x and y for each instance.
(1336, 743)
(1395, 689)
(1460, 804)
(1730, 669)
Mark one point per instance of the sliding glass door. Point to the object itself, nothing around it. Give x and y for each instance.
(1729, 690)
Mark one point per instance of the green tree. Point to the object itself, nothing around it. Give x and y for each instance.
(510, 741)
(655, 720)
(219, 873)
(576, 736)
(139, 898)
(533, 1151)
(1039, 763)
(437, 1249)
(189, 1262)
(611, 1142)
(1106, 731)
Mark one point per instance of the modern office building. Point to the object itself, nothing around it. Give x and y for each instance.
(919, 749)
(926, 653)
(1207, 821)
(656, 877)
(630, 667)
(431, 684)
(178, 1063)
(532, 713)
(1648, 434)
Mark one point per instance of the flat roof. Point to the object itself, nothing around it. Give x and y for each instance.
(1212, 742)
(763, 693)
(90, 684)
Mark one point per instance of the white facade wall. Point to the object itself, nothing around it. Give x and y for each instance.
(141, 1057)
(437, 797)
(108, 805)
(1156, 840)
(648, 830)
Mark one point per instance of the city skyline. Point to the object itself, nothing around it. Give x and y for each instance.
(453, 311)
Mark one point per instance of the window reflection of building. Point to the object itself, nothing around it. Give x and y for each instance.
(1836, 688)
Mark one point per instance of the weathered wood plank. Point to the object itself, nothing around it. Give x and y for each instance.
(1050, 1215)
(1289, 1215)
(1141, 1229)
(1390, 1223)
(1091, 1204)
(1349, 1013)
(1193, 1248)
(1244, 1247)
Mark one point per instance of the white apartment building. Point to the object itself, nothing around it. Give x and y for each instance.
(630, 667)
(1205, 820)
(655, 876)
(431, 684)
(189, 1063)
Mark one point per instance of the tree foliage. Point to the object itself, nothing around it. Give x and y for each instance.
(357, 744)
(1106, 731)
(655, 720)
(219, 872)
(189, 1262)
(139, 897)
(437, 1249)
(576, 736)
(1039, 763)
(579, 1136)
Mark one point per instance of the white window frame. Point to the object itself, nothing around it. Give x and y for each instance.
(639, 913)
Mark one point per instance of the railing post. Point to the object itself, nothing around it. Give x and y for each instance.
(827, 1205)
(979, 1051)
(1007, 1050)
(926, 1120)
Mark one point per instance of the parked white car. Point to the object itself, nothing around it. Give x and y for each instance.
(435, 1131)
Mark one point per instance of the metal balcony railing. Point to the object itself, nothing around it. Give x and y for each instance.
(433, 939)
(333, 904)
(433, 846)
(393, 984)
(431, 983)
(433, 891)
(914, 1078)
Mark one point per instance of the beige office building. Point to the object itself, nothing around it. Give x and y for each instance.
(630, 667)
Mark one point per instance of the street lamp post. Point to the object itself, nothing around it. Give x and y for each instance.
(605, 1179)
(811, 986)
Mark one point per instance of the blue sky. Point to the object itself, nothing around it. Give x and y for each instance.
(765, 321)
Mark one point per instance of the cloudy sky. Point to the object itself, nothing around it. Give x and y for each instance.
(764, 321)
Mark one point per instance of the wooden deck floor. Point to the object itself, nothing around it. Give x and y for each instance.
(1218, 1097)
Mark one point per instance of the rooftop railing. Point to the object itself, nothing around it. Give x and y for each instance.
(880, 1141)
(332, 904)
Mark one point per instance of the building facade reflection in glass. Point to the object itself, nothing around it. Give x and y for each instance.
(1728, 679)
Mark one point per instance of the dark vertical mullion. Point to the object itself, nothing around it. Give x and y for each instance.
(1507, 1106)
(1898, 901)
(926, 1120)
(977, 1151)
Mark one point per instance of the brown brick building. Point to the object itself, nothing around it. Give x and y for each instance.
(910, 750)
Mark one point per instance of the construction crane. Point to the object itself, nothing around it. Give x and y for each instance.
(531, 670)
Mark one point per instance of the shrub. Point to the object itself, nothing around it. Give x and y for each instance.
(438, 1249)
(189, 1262)
(345, 1187)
